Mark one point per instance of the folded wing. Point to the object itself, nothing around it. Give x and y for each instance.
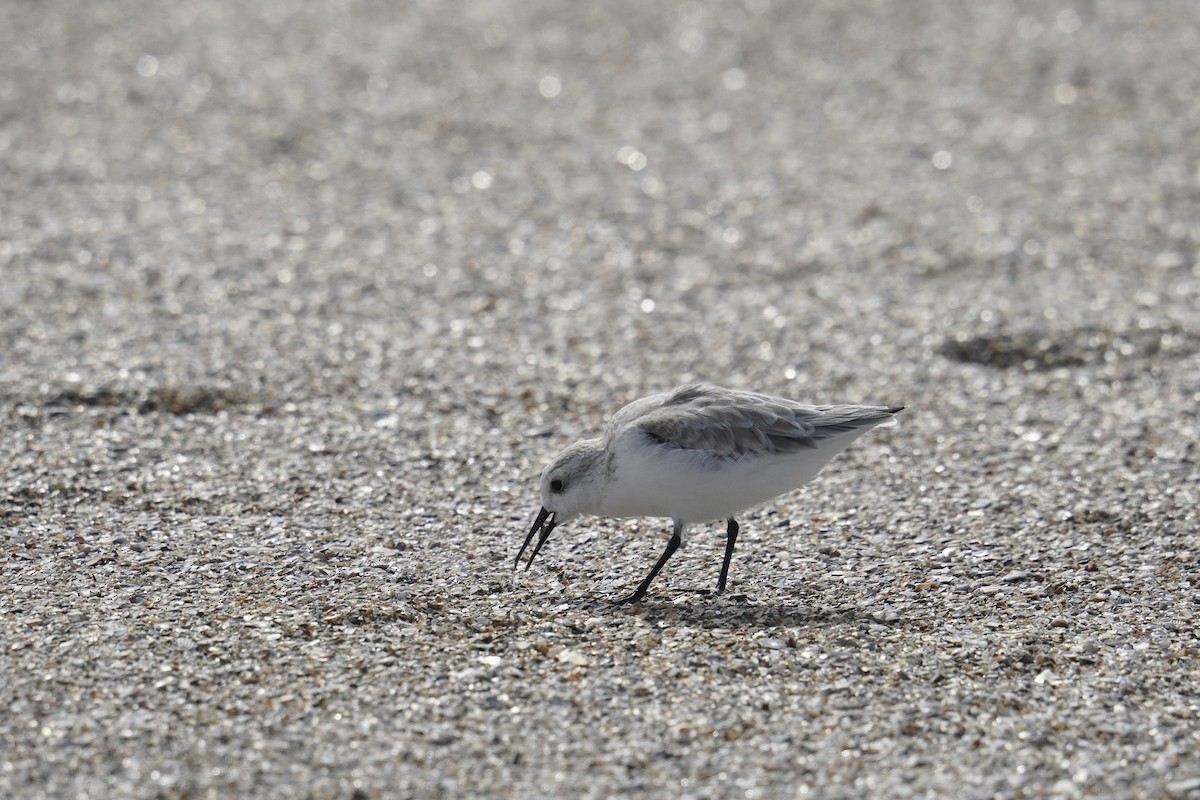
(728, 424)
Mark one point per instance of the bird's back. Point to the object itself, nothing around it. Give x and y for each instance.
(730, 424)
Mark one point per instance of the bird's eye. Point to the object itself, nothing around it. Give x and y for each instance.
(556, 485)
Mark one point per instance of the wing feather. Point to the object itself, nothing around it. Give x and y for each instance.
(728, 424)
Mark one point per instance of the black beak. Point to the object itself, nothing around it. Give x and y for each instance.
(545, 523)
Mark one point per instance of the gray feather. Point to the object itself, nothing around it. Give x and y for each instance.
(728, 424)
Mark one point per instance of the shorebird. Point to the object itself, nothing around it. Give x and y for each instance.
(696, 454)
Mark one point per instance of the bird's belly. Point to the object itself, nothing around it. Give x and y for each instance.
(667, 483)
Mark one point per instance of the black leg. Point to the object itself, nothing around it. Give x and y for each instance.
(672, 546)
(730, 538)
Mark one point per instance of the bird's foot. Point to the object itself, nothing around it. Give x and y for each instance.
(717, 592)
(631, 598)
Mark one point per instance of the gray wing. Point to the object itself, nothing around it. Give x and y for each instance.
(729, 424)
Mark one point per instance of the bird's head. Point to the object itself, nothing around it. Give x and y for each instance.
(570, 487)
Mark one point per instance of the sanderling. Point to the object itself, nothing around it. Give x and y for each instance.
(696, 454)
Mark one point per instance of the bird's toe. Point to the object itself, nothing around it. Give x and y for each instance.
(630, 598)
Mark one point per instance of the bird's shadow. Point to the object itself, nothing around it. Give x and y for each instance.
(729, 611)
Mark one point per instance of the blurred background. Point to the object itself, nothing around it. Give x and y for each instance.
(356, 195)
